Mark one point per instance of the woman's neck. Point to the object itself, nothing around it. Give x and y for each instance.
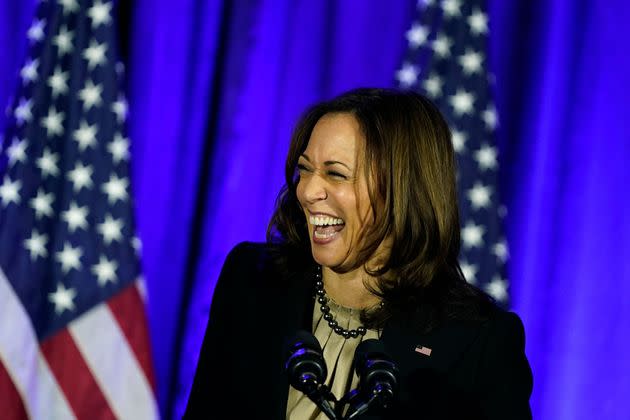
(348, 289)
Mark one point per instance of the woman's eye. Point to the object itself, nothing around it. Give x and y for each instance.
(336, 175)
(301, 167)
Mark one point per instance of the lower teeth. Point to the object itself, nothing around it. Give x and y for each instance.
(319, 235)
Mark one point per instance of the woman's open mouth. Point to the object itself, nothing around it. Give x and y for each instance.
(326, 228)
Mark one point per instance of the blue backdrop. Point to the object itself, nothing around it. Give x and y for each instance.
(215, 87)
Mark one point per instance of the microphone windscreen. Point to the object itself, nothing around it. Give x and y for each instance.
(305, 364)
(368, 349)
(370, 346)
(302, 339)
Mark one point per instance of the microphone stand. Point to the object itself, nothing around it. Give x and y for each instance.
(358, 405)
(320, 395)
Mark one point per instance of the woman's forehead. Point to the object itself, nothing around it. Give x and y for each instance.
(335, 137)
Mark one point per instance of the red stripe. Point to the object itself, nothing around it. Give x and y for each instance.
(11, 404)
(75, 378)
(128, 309)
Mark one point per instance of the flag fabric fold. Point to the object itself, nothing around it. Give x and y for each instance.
(74, 340)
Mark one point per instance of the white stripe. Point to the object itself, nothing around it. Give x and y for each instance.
(113, 364)
(21, 356)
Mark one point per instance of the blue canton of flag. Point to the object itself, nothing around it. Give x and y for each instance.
(69, 267)
(447, 61)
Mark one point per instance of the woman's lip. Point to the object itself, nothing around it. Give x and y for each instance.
(323, 241)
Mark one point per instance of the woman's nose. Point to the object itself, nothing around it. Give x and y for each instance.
(314, 188)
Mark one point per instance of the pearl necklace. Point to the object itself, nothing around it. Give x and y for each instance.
(323, 301)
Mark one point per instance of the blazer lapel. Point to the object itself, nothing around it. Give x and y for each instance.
(298, 301)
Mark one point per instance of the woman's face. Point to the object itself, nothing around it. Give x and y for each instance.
(332, 189)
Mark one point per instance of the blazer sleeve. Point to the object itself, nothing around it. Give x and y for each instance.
(505, 379)
(214, 359)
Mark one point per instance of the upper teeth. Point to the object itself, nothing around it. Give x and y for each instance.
(324, 220)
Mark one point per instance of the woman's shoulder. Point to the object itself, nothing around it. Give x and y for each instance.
(263, 260)
(246, 259)
(248, 251)
(502, 323)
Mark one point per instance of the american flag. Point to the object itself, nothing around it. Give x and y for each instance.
(447, 61)
(74, 340)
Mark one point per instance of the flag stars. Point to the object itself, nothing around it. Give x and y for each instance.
(110, 229)
(489, 117)
(23, 112)
(433, 85)
(58, 82)
(451, 8)
(95, 54)
(63, 299)
(136, 243)
(85, 135)
(486, 157)
(469, 271)
(17, 151)
(459, 140)
(29, 71)
(75, 217)
(471, 62)
(36, 31)
(119, 148)
(10, 191)
(116, 189)
(69, 6)
(500, 249)
(69, 258)
(53, 123)
(421, 4)
(442, 46)
(120, 108)
(407, 75)
(478, 22)
(81, 177)
(48, 163)
(105, 271)
(63, 41)
(497, 288)
(36, 245)
(462, 102)
(42, 204)
(90, 95)
(472, 235)
(417, 35)
(99, 13)
(479, 196)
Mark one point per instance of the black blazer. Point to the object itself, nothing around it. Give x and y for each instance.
(475, 370)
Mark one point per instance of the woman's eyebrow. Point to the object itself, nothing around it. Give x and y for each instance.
(328, 162)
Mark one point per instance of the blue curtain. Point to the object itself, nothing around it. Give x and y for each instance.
(215, 87)
(562, 70)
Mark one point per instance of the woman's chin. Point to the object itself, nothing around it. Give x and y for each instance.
(327, 257)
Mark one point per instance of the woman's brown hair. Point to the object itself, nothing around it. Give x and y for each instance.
(410, 162)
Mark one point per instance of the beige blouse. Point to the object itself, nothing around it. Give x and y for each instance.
(338, 354)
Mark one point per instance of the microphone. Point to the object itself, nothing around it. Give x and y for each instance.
(307, 371)
(378, 378)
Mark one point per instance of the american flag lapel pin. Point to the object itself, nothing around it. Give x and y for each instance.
(423, 350)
